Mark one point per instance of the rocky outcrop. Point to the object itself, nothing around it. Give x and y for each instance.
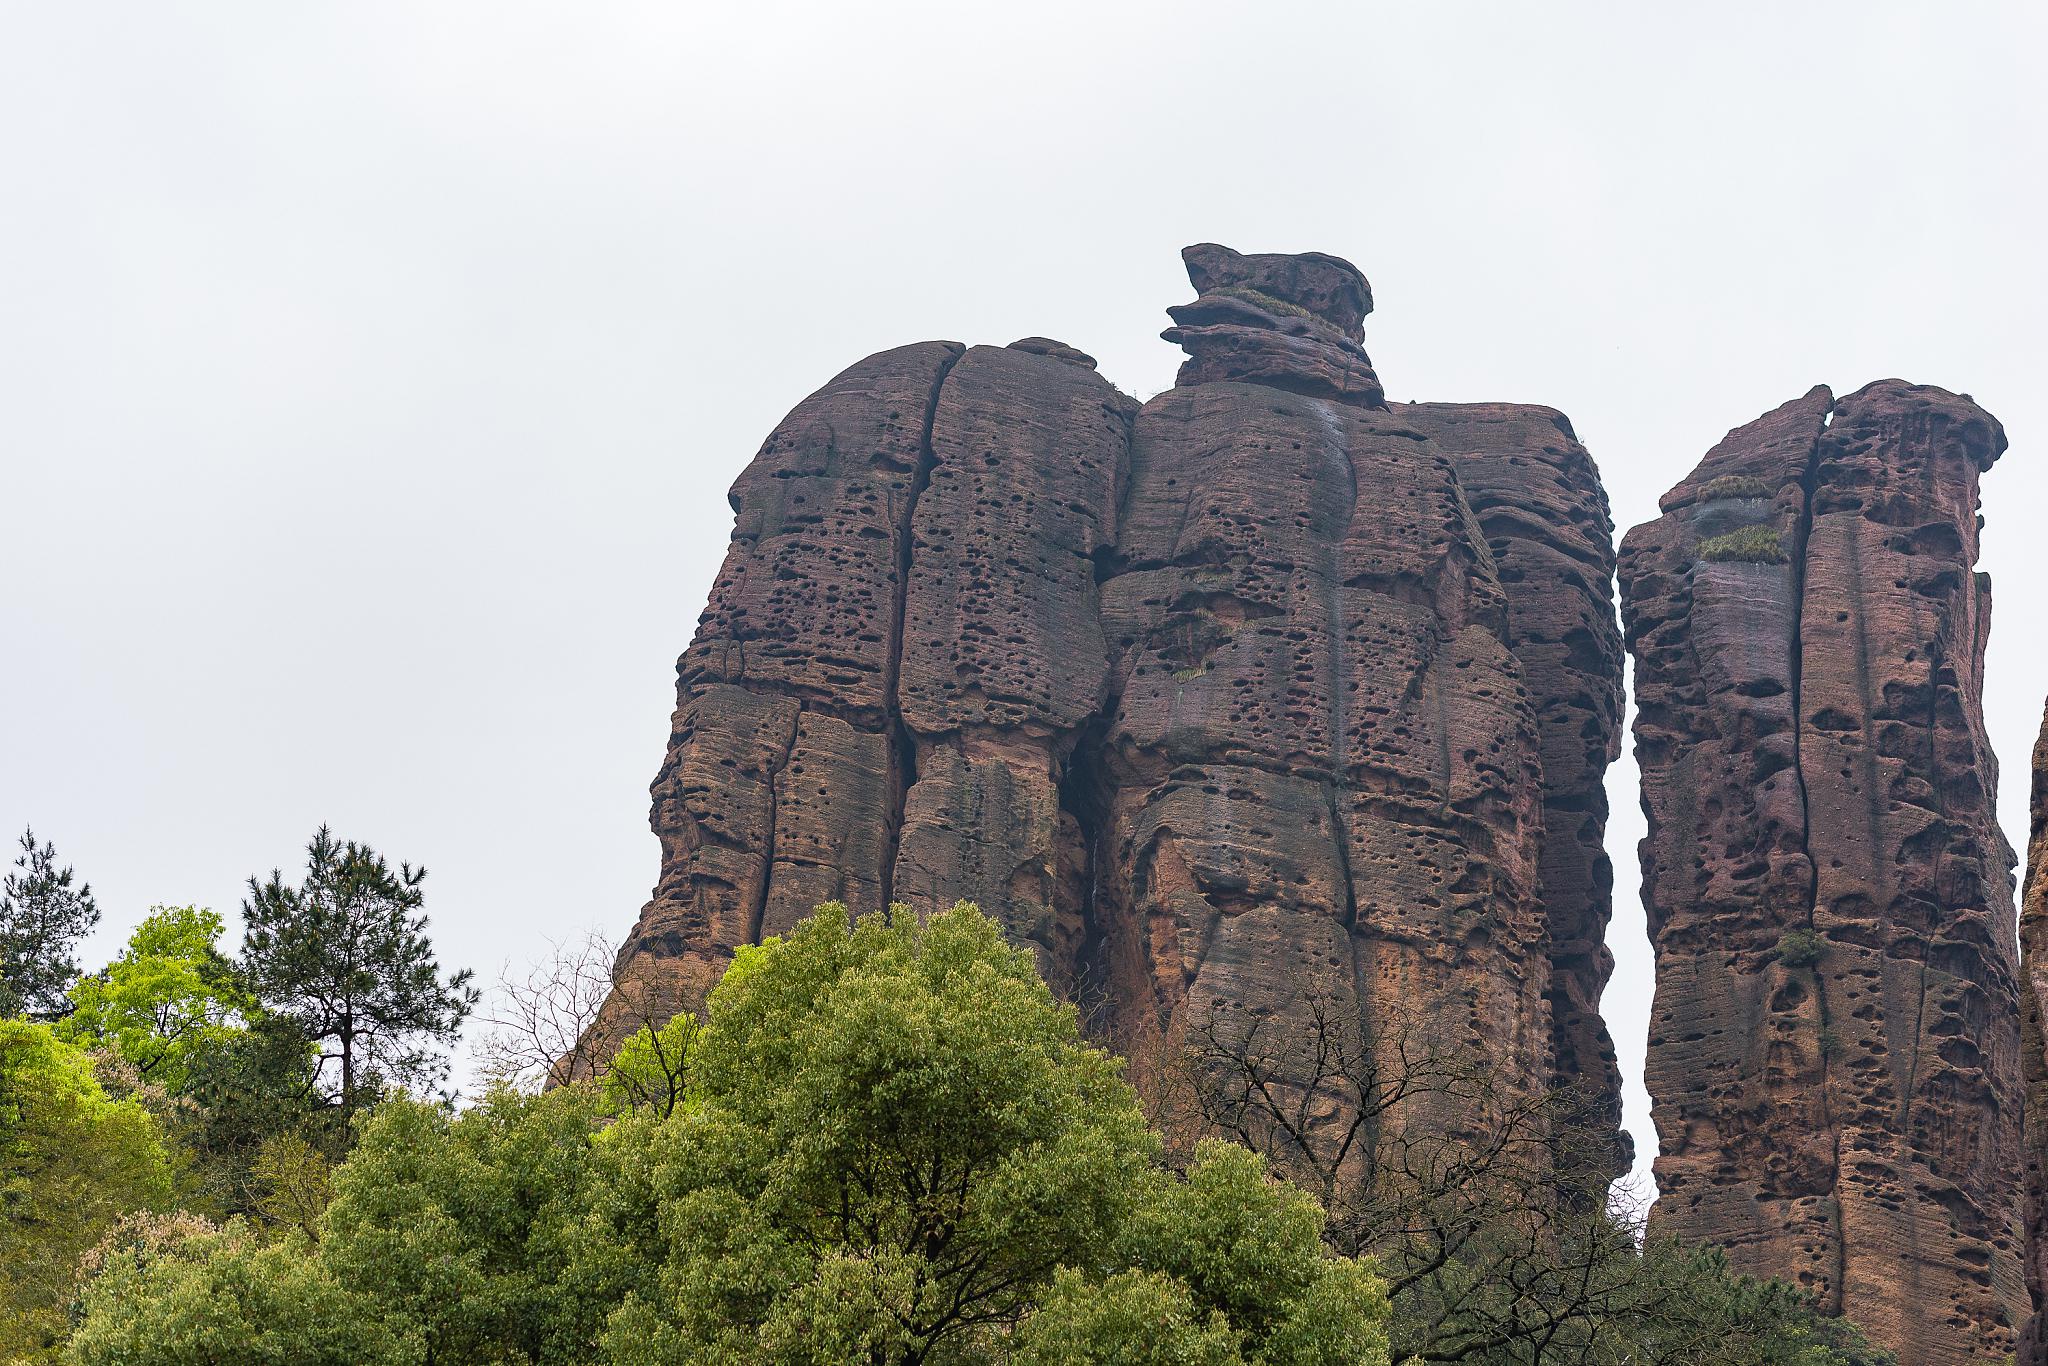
(1540, 503)
(1834, 1047)
(1260, 690)
(1003, 659)
(2033, 1010)
(1321, 762)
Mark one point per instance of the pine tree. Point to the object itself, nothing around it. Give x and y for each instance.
(346, 957)
(42, 918)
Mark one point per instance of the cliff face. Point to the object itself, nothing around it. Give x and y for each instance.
(2033, 1010)
(1538, 498)
(1834, 1047)
(1264, 688)
(1320, 762)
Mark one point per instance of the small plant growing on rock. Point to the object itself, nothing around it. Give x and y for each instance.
(1799, 948)
(1258, 298)
(1750, 544)
(1736, 486)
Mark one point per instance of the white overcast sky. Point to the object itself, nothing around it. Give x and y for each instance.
(371, 375)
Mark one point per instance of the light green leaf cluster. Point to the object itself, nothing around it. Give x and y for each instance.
(1134, 1318)
(170, 994)
(1247, 1250)
(72, 1161)
(652, 1067)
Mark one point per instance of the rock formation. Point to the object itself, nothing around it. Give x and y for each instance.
(1262, 688)
(2033, 1010)
(1834, 1056)
(1539, 500)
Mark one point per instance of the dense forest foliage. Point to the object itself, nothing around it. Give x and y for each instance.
(883, 1141)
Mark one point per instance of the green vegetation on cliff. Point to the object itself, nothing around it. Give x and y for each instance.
(1750, 545)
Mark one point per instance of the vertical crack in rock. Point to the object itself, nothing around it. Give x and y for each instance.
(1326, 777)
(1004, 663)
(903, 751)
(1801, 533)
(758, 901)
(1834, 1051)
(775, 791)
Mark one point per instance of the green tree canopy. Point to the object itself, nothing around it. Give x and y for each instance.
(170, 994)
(345, 955)
(72, 1161)
(881, 1142)
(184, 1294)
(42, 918)
(893, 1139)
(471, 1231)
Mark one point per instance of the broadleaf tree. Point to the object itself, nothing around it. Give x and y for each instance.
(72, 1161)
(170, 994)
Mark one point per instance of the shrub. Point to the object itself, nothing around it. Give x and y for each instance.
(183, 1294)
(1750, 544)
(1800, 948)
(1736, 486)
(1258, 298)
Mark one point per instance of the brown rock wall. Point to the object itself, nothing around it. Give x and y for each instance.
(1539, 501)
(1215, 703)
(2034, 1041)
(1834, 1053)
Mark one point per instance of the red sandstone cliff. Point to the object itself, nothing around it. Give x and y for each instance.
(1262, 688)
(1834, 1048)
(2033, 1009)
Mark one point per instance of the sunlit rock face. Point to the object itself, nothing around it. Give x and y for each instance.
(1259, 690)
(1834, 1053)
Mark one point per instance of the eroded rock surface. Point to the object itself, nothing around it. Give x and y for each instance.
(1539, 500)
(1262, 690)
(2033, 1010)
(1834, 1046)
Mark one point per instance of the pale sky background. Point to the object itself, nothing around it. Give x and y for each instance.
(371, 375)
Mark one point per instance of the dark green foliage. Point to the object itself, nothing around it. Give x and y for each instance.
(42, 918)
(1695, 1309)
(1748, 545)
(183, 1294)
(1800, 948)
(345, 956)
(886, 1143)
(1736, 486)
(243, 1089)
(892, 1147)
